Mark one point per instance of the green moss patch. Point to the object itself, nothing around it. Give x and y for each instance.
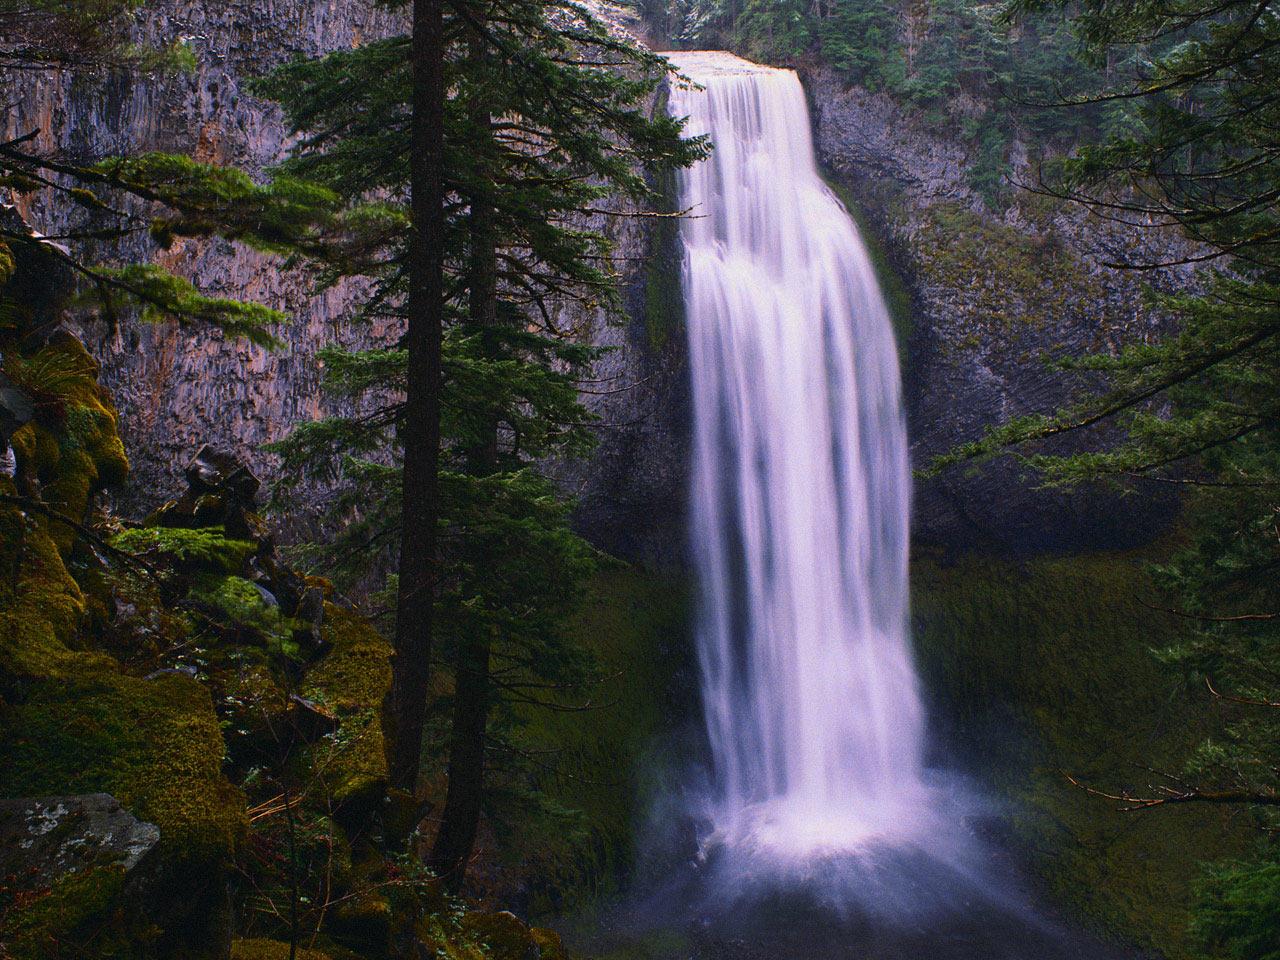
(41, 606)
(604, 764)
(73, 447)
(351, 679)
(153, 744)
(77, 910)
(180, 547)
(261, 949)
(1045, 669)
(1005, 278)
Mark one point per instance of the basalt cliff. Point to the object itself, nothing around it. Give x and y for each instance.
(981, 297)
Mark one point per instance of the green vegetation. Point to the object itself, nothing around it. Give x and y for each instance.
(1046, 668)
(1197, 407)
(636, 627)
(153, 744)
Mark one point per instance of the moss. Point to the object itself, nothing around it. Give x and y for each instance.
(153, 744)
(550, 946)
(480, 935)
(7, 263)
(1004, 278)
(41, 605)
(636, 624)
(501, 935)
(203, 548)
(1045, 668)
(75, 448)
(351, 679)
(363, 922)
(238, 605)
(260, 949)
(78, 909)
(656, 945)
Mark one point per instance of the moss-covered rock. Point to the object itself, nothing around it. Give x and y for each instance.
(262, 949)
(485, 935)
(188, 549)
(78, 908)
(501, 935)
(72, 449)
(363, 922)
(155, 745)
(550, 945)
(351, 679)
(41, 605)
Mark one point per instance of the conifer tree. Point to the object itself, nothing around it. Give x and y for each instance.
(420, 425)
(1200, 407)
(548, 118)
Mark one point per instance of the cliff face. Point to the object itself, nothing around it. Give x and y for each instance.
(993, 296)
(989, 296)
(179, 388)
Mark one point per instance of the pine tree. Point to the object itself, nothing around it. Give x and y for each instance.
(1201, 407)
(548, 118)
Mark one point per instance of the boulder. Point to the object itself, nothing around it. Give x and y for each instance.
(45, 838)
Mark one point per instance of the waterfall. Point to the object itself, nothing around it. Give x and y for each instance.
(801, 486)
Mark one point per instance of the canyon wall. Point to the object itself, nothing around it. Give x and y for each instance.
(177, 388)
(986, 296)
(993, 298)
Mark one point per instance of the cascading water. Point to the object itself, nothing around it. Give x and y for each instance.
(828, 842)
(801, 486)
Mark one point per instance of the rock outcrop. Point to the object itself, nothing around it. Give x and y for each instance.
(992, 297)
(43, 839)
(176, 388)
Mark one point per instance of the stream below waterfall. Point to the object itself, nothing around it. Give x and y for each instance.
(822, 834)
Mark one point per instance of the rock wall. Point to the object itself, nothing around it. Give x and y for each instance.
(177, 388)
(989, 296)
(993, 296)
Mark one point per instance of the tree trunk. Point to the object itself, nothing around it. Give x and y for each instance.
(451, 852)
(420, 430)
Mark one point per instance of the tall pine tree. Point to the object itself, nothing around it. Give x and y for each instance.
(548, 122)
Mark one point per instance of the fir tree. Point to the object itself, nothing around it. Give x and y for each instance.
(1200, 408)
(547, 124)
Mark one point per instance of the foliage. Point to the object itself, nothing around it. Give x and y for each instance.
(163, 196)
(1198, 407)
(1238, 913)
(960, 64)
(199, 547)
(1028, 685)
(548, 130)
(53, 34)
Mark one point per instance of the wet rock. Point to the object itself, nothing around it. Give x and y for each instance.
(218, 471)
(43, 839)
(992, 294)
(16, 409)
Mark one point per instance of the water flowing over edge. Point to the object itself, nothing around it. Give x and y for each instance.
(801, 489)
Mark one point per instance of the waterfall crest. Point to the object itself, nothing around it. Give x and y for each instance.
(801, 485)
